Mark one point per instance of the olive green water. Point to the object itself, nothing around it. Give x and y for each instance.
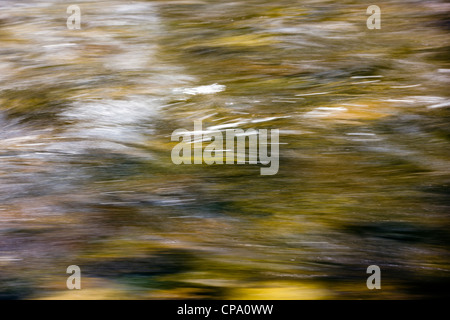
(86, 176)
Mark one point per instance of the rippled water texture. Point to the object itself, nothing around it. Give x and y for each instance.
(86, 176)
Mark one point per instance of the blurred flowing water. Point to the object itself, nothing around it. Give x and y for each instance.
(86, 176)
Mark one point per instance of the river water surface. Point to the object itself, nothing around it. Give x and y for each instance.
(86, 177)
